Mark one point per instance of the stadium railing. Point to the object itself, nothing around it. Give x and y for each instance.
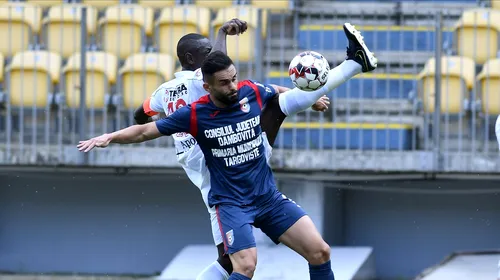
(405, 116)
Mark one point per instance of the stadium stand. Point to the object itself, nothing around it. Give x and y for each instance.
(63, 23)
(45, 3)
(477, 34)
(101, 69)
(366, 86)
(175, 22)
(489, 85)
(32, 78)
(101, 4)
(458, 75)
(141, 75)
(19, 22)
(156, 4)
(381, 38)
(124, 29)
(243, 48)
(273, 6)
(214, 4)
(340, 136)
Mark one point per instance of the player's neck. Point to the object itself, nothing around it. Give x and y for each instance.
(217, 103)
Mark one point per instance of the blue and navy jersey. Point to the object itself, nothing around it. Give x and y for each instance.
(231, 141)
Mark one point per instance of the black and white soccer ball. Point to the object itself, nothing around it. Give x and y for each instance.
(309, 70)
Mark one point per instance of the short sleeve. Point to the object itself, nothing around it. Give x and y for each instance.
(179, 121)
(266, 91)
(154, 103)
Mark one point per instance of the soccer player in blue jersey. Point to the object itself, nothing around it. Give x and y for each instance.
(226, 124)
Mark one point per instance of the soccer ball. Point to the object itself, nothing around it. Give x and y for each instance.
(309, 70)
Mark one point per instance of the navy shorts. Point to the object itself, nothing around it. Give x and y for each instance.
(273, 216)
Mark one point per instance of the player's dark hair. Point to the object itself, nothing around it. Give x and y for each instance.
(215, 62)
(188, 44)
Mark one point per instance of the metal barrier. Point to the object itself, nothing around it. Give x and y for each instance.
(75, 72)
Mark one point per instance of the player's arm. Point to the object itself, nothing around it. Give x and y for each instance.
(177, 122)
(149, 108)
(232, 27)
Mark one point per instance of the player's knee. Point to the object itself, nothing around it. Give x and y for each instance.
(225, 262)
(320, 254)
(245, 263)
(246, 268)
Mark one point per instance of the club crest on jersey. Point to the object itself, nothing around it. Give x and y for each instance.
(230, 237)
(244, 106)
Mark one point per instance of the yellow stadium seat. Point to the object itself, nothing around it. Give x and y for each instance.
(477, 34)
(156, 4)
(457, 78)
(495, 4)
(214, 4)
(101, 4)
(45, 3)
(18, 22)
(32, 77)
(489, 83)
(62, 28)
(141, 75)
(274, 5)
(175, 22)
(242, 48)
(2, 64)
(101, 71)
(123, 27)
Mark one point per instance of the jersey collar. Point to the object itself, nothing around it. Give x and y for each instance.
(183, 73)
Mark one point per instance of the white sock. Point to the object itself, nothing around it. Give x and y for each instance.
(213, 272)
(497, 131)
(296, 100)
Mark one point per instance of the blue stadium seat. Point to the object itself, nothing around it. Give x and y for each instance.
(342, 136)
(379, 38)
(367, 86)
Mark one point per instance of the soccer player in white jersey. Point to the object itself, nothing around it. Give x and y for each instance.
(186, 88)
(311, 246)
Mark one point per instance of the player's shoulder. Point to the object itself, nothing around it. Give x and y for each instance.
(251, 85)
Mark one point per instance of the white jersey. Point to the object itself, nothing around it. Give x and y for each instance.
(186, 88)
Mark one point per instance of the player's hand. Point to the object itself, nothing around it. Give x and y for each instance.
(234, 27)
(99, 142)
(322, 104)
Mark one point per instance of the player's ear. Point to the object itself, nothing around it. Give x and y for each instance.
(189, 58)
(206, 86)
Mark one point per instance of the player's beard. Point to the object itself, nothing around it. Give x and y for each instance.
(228, 98)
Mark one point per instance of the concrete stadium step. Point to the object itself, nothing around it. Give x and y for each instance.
(464, 266)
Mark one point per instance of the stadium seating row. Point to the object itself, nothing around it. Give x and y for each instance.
(366, 86)
(475, 35)
(342, 136)
(458, 79)
(158, 4)
(123, 30)
(379, 38)
(34, 77)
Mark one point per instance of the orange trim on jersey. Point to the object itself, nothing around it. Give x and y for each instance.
(255, 89)
(146, 106)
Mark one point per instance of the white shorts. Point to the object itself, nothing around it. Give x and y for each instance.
(497, 131)
(216, 233)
